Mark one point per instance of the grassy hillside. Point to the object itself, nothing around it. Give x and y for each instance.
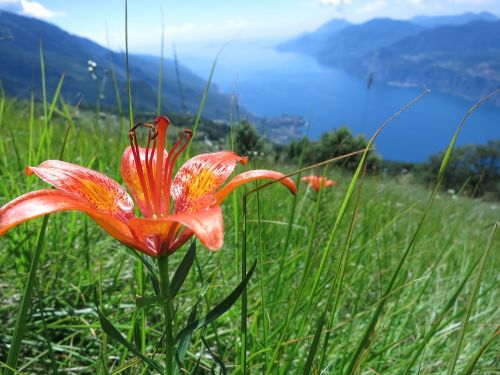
(64, 53)
(309, 272)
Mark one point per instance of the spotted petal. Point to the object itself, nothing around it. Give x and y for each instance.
(43, 202)
(207, 225)
(200, 176)
(93, 188)
(257, 174)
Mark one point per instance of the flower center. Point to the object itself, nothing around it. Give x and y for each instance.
(154, 168)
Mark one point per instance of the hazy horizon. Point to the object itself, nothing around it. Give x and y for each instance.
(193, 26)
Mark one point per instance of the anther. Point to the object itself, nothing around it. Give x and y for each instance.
(134, 128)
(153, 130)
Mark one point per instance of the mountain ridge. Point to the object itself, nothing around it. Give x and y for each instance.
(23, 37)
(456, 20)
(432, 59)
(461, 59)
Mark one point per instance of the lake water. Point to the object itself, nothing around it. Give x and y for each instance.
(270, 83)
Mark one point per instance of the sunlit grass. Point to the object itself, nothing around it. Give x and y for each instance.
(419, 328)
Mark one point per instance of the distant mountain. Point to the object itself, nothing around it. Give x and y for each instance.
(462, 60)
(312, 42)
(461, 19)
(351, 41)
(357, 40)
(20, 40)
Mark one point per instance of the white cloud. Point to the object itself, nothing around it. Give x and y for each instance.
(141, 40)
(416, 2)
(28, 8)
(334, 2)
(373, 6)
(474, 2)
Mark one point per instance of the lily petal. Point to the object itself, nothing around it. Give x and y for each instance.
(153, 233)
(309, 178)
(317, 182)
(202, 175)
(207, 225)
(131, 177)
(93, 188)
(257, 174)
(43, 202)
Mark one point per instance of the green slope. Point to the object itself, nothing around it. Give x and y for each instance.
(69, 54)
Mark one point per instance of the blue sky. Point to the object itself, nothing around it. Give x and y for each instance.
(191, 23)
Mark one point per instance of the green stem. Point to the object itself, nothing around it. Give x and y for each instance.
(22, 315)
(167, 308)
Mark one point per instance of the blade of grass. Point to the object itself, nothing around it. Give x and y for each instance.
(55, 97)
(473, 361)
(45, 111)
(30, 135)
(112, 332)
(437, 322)
(244, 238)
(219, 309)
(119, 104)
(472, 299)
(340, 271)
(139, 267)
(21, 319)
(291, 217)
(179, 81)
(366, 339)
(338, 220)
(182, 270)
(244, 297)
(6, 366)
(44, 87)
(2, 108)
(160, 74)
(204, 99)
(22, 315)
(129, 88)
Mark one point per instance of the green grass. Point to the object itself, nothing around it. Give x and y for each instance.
(442, 309)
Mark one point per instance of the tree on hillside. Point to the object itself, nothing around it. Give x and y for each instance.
(333, 144)
(476, 168)
(246, 139)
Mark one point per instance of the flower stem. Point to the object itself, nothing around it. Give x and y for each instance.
(167, 308)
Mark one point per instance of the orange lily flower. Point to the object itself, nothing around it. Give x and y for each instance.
(195, 192)
(317, 182)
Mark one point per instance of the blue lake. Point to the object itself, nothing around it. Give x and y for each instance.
(270, 83)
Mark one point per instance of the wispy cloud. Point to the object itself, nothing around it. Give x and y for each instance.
(186, 32)
(334, 2)
(373, 6)
(474, 2)
(28, 8)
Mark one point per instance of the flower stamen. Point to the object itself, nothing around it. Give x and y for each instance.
(149, 170)
(161, 126)
(132, 135)
(170, 164)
